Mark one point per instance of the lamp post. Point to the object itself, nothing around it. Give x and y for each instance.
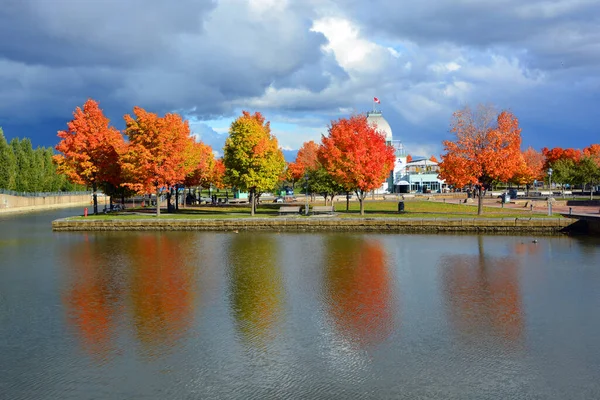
(550, 196)
(306, 194)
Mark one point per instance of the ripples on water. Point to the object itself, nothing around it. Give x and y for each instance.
(268, 315)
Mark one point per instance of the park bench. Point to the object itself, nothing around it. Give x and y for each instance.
(286, 210)
(322, 210)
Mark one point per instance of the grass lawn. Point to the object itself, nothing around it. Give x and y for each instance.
(412, 209)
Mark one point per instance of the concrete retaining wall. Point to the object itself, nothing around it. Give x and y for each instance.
(594, 226)
(11, 204)
(504, 225)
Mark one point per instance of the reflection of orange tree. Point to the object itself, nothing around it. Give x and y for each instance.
(162, 289)
(255, 279)
(483, 295)
(526, 248)
(92, 297)
(360, 291)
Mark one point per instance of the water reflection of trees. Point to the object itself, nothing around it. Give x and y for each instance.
(154, 270)
(92, 299)
(483, 296)
(359, 288)
(255, 286)
(163, 288)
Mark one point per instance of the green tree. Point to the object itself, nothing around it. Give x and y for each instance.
(252, 158)
(586, 171)
(564, 171)
(8, 164)
(22, 163)
(320, 181)
(50, 178)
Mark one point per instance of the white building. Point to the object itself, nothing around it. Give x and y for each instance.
(418, 176)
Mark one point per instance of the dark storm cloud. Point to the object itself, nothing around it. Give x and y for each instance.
(208, 59)
(109, 32)
(191, 56)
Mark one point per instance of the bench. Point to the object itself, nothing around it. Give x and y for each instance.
(289, 210)
(322, 210)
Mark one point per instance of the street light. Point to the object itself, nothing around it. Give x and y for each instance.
(550, 196)
(306, 195)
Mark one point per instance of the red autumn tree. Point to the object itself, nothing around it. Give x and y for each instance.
(432, 158)
(486, 149)
(593, 151)
(409, 158)
(158, 152)
(557, 153)
(89, 149)
(355, 154)
(306, 160)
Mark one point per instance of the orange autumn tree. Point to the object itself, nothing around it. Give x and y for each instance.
(356, 155)
(432, 158)
(218, 174)
(486, 149)
(531, 168)
(409, 158)
(593, 151)
(306, 160)
(158, 154)
(89, 149)
(202, 172)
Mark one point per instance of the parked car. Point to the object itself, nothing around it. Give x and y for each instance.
(278, 200)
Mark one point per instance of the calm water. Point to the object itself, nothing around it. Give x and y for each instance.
(192, 315)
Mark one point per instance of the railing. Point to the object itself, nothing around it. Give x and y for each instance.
(42, 194)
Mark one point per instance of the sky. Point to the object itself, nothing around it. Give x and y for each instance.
(304, 63)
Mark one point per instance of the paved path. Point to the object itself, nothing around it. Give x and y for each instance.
(540, 206)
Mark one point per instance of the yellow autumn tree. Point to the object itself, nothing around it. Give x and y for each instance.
(252, 158)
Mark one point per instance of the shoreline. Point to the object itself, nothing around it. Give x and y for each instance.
(39, 208)
(321, 224)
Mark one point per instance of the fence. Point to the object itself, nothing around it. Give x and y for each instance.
(43, 194)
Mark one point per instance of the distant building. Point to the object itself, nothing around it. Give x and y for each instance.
(418, 176)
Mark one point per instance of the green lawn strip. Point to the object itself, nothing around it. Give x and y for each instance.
(428, 209)
(384, 209)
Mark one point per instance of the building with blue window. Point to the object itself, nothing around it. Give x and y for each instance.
(418, 176)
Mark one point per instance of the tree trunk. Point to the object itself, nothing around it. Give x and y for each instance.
(480, 201)
(95, 197)
(361, 198)
(347, 201)
(252, 202)
(169, 195)
(157, 202)
(591, 190)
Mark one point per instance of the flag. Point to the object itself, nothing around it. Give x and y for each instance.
(376, 100)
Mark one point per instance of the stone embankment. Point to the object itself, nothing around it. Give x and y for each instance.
(16, 204)
(491, 225)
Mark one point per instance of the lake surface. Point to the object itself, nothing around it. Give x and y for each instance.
(196, 315)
